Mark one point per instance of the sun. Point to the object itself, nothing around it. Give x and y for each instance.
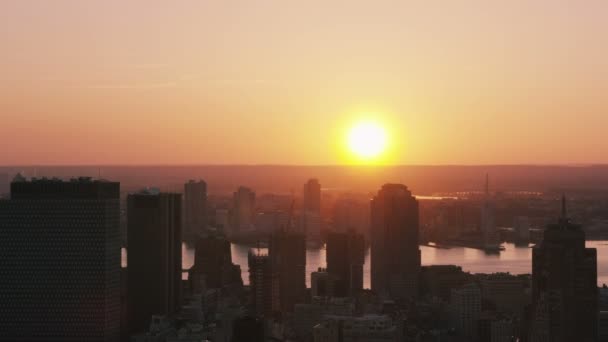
(367, 140)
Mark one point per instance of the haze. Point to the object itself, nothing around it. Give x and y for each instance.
(279, 82)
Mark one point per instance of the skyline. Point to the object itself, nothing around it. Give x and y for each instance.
(473, 83)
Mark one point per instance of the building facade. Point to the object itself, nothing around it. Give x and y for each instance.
(154, 258)
(60, 261)
(395, 258)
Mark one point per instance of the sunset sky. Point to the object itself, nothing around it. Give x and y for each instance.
(282, 82)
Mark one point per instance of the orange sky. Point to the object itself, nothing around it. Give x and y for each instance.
(254, 82)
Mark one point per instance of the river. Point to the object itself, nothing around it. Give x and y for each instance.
(516, 260)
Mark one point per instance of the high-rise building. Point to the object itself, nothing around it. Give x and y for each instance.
(564, 285)
(260, 282)
(345, 259)
(60, 261)
(489, 233)
(4, 185)
(287, 251)
(506, 292)
(349, 213)
(213, 260)
(521, 226)
(243, 210)
(322, 284)
(310, 226)
(312, 196)
(154, 258)
(466, 308)
(395, 258)
(195, 207)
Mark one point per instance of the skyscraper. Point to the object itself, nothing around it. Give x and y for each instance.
(260, 282)
(491, 241)
(345, 259)
(60, 261)
(312, 196)
(213, 260)
(154, 261)
(243, 209)
(195, 207)
(564, 285)
(287, 251)
(395, 253)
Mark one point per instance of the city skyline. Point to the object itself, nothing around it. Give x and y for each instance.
(464, 83)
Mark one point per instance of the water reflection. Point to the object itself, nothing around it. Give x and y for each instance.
(513, 259)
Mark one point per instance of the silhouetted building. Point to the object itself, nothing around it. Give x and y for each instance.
(466, 309)
(345, 259)
(154, 261)
(488, 221)
(287, 251)
(195, 207)
(349, 213)
(4, 185)
(248, 329)
(312, 196)
(243, 210)
(521, 226)
(439, 280)
(213, 260)
(395, 258)
(564, 285)
(322, 284)
(260, 283)
(60, 261)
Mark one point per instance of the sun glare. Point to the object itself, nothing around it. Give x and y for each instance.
(367, 140)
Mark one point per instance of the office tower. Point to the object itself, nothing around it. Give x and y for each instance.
(154, 261)
(4, 185)
(322, 284)
(60, 261)
(395, 254)
(564, 285)
(247, 329)
(195, 207)
(260, 282)
(439, 280)
(345, 259)
(243, 210)
(522, 230)
(466, 308)
(213, 260)
(506, 292)
(489, 233)
(312, 196)
(310, 226)
(287, 251)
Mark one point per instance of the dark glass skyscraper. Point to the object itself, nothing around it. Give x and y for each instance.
(195, 207)
(564, 285)
(287, 252)
(312, 196)
(60, 261)
(154, 257)
(395, 253)
(345, 259)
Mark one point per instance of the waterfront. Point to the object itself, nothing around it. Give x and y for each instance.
(516, 260)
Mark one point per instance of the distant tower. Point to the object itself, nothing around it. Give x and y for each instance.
(243, 209)
(195, 207)
(395, 251)
(488, 225)
(312, 196)
(213, 260)
(287, 251)
(154, 263)
(60, 261)
(564, 285)
(260, 282)
(345, 259)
